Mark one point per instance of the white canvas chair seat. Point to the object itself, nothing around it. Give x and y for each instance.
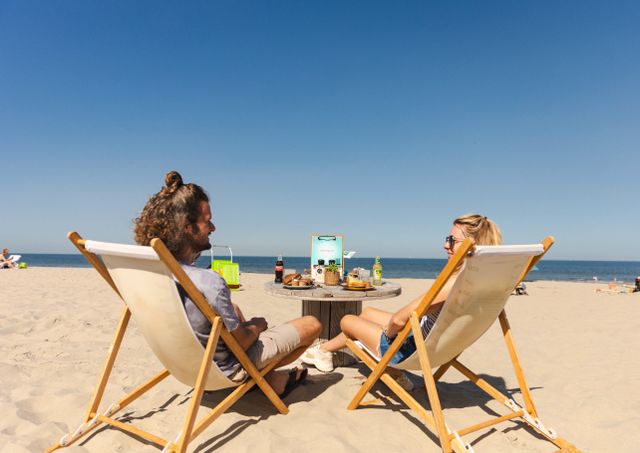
(14, 258)
(146, 280)
(478, 296)
(477, 299)
(148, 288)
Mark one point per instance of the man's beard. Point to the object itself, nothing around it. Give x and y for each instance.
(203, 246)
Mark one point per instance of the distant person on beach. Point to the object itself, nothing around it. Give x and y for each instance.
(376, 328)
(637, 288)
(180, 215)
(5, 262)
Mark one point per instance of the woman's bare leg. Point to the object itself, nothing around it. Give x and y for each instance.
(376, 315)
(335, 344)
(380, 318)
(368, 332)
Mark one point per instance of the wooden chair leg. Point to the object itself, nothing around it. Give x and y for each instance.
(430, 384)
(440, 371)
(198, 390)
(515, 408)
(380, 367)
(517, 367)
(376, 373)
(110, 360)
(94, 418)
(456, 444)
(70, 438)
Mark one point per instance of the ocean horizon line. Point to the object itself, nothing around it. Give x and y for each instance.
(393, 267)
(355, 258)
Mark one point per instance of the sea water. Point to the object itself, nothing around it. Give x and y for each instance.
(561, 270)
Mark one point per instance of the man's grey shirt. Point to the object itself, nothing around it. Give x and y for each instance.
(217, 293)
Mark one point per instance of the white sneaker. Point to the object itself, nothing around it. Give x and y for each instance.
(322, 360)
(404, 381)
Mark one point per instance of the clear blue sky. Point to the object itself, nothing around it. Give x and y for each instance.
(378, 120)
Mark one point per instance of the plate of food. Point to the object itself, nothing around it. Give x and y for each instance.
(358, 286)
(297, 281)
(298, 287)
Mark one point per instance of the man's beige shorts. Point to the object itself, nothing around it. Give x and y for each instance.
(277, 341)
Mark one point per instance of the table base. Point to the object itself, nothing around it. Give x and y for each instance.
(329, 313)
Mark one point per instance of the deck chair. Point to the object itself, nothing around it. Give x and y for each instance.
(15, 258)
(145, 279)
(488, 276)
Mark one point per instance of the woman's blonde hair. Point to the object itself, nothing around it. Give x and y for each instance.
(481, 229)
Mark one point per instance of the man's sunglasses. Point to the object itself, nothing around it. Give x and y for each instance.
(451, 241)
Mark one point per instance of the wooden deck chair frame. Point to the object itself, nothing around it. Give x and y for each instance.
(190, 429)
(451, 440)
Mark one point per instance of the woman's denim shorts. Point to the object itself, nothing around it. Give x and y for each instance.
(407, 348)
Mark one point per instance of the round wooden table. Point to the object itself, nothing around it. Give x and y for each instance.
(330, 303)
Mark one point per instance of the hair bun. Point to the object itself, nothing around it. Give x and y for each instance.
(172, 182)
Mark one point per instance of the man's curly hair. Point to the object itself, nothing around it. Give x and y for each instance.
(167, 213)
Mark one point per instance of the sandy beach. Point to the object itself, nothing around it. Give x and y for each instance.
(577, 347)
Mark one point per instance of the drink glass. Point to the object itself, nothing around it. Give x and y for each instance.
(364, 275)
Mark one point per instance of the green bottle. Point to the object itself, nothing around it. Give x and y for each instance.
(377, 272)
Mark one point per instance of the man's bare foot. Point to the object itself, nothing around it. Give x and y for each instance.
(283, 380)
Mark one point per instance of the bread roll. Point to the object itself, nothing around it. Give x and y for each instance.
(289, 278)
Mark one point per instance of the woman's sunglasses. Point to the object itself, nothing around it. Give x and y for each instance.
(451, 241)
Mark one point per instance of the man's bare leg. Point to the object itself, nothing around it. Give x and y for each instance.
(308, 328)
(278, 379)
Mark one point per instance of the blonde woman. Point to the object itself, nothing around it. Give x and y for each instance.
(376, 328)
(5, 261)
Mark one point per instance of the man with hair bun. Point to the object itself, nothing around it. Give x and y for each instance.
(180, 215)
